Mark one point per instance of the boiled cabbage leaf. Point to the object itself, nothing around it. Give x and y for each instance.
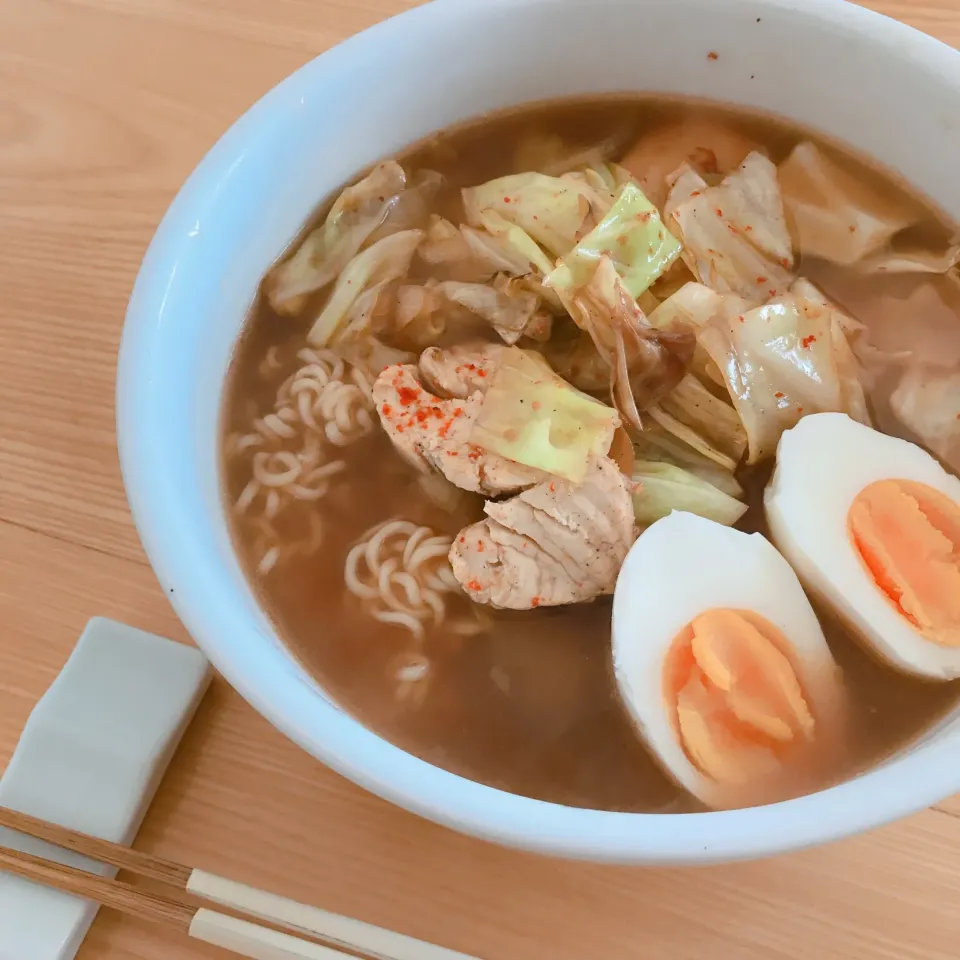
(660, 446)
(782, 361)
(927, 402)
(473, 255)
(357, 213)
(645, 362)
(713, 419)
(631, 236)
(413, 206)
(550, 210)
(834, 214)
(911, 260)
(510, 308)
(444, 243)
(711, 149)
(663, 488)
(386, 261)
(734, 235)
(420, 318)
(534, 417)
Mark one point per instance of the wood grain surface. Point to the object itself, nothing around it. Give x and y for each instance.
(105, 107)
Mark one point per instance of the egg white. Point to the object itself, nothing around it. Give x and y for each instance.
(680, 567)
(822, 464)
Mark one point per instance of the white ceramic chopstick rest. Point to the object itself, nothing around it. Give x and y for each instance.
(90, 758)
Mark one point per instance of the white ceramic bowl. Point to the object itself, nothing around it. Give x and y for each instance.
(880, 86)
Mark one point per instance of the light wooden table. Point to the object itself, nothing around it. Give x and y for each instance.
(105, 106)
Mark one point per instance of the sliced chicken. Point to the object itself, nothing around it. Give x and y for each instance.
(556, 543)
(432, 432)
(461, 371)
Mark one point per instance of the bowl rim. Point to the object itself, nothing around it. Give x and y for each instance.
(902, 786)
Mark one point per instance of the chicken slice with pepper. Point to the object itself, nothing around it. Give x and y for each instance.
(553, 544)
(432, 432)
(462, 370)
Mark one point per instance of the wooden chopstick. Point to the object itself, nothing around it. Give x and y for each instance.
(114, 854)
(114, 894)
(326, 932)
(233, 933)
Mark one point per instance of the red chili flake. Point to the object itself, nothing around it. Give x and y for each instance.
(481, 373)
(399, 428)
(536, 404)
(741, 318)
(772, 293)
(470, 366)
(696, 193)
(713, 55)
(731, 228)
(452, 453)
(761, 279)
(463, 539)
(785, 262)
(506, 199)
(458, 412)
(480, 546)
(408, 395)
(387, 409)
(553, 487)
(474, 585)
(535, 602)
(747, 228)
(718, 212)
(779, 395)
(799, 409)
(474, 454)
(806, 341)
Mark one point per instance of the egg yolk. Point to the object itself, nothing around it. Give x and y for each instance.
(734, 696)
(908, 536)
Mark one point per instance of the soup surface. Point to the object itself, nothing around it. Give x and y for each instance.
(525, 699)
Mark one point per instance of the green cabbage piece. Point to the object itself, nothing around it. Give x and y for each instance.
(660, 446)
(665, 488)
(532, 416)
(386, 261)
(550, 210)
(632, 236)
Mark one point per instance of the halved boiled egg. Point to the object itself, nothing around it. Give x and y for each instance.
(872, 525)
(722, 665)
